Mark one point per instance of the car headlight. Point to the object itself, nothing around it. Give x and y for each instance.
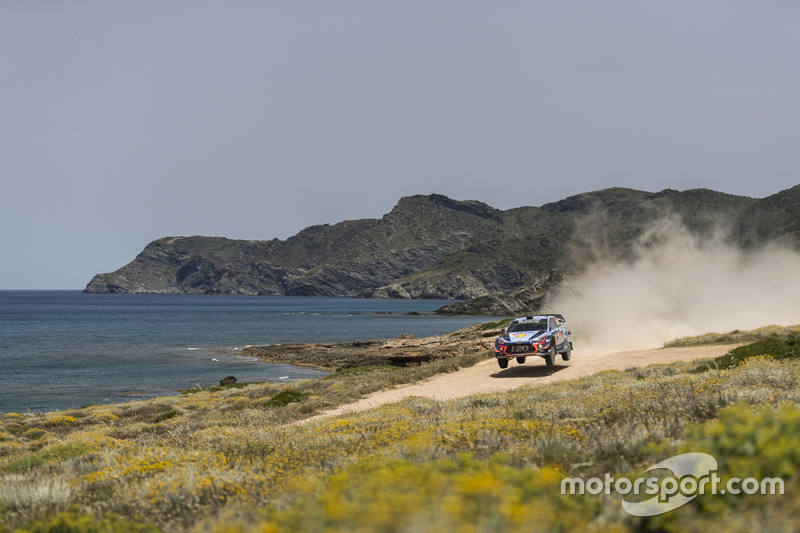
(501, 340)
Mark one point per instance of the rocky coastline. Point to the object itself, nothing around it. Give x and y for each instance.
(403, 351)
(524, 301)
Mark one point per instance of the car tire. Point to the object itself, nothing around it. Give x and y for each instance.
(566, 355)
(520, 360)
(502, 362)
(550, 358)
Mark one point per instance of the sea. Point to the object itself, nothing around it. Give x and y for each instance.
(64, 349)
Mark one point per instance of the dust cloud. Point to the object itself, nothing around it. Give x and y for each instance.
(677, 285)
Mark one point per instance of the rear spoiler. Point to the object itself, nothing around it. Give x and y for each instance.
(558, 316)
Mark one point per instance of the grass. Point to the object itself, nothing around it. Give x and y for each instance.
(773, 347)
(216, 388)
(499, 324)
(361, 371)
(228, 460)
(36, 459)
(735, 337)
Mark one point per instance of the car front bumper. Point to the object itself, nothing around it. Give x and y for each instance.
(511, 350)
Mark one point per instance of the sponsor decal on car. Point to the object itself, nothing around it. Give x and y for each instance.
(541, 335)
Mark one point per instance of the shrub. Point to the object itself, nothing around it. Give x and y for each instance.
(287, 396)
(166, 416)
(747, 442)
(217, 388)
(56, 453)
(74, 521)
(360, 371)
(495, 325)
(751, 442)
(735, 337)
(34, 434)
(776, 347)
(14, 428)
(460, 494)
(59, 420)
(103, 417)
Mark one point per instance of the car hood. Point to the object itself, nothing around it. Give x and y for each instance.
(522, 336)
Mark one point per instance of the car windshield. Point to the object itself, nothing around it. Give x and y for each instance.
(533, 325)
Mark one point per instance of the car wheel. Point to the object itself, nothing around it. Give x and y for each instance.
(550, 358)
(567, 354)
(503, 363)
(520, 360)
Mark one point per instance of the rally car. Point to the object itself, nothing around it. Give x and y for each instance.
(542, 335)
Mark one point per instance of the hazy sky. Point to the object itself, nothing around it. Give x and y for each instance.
(122, 122)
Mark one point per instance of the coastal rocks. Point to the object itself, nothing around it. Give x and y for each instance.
(394, 352)
(529, 299)
(350, 278)
(229, 380)
(457, 287)
(199, 271)
(447, 286)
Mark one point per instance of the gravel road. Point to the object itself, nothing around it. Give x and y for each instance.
(487, 377)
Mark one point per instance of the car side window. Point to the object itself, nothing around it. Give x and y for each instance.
(552, 323)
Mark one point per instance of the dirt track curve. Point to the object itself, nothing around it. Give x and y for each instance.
(487, 377)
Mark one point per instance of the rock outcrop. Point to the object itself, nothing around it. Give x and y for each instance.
(523, 301)
(403, 351)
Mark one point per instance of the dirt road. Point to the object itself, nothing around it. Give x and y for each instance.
(487, 377)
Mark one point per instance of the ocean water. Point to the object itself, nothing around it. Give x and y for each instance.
(64, 349)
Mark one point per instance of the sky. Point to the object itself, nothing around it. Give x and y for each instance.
(123, 122)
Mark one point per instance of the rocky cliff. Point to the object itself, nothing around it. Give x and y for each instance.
(528, 299)
(436, 247)
(344, 259)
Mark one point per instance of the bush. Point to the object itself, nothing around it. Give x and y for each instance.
(76, 522)
(459, 494)
(751, 442)
(56, 453)
(217, 388)
(735, 337)
(34, 434)
(495, 325)
(776, 347)
(287, 396)
(747, 442)
(360, 371)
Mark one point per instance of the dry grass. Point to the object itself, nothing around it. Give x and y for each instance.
(736, 336)
(225, 460)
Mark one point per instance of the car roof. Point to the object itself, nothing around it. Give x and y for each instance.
(538, 317)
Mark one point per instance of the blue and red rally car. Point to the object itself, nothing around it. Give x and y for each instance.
(542, 335)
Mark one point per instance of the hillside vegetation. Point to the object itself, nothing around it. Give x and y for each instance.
(436, 247)
(225, 459)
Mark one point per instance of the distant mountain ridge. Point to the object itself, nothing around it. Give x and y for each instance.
(431, 246)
